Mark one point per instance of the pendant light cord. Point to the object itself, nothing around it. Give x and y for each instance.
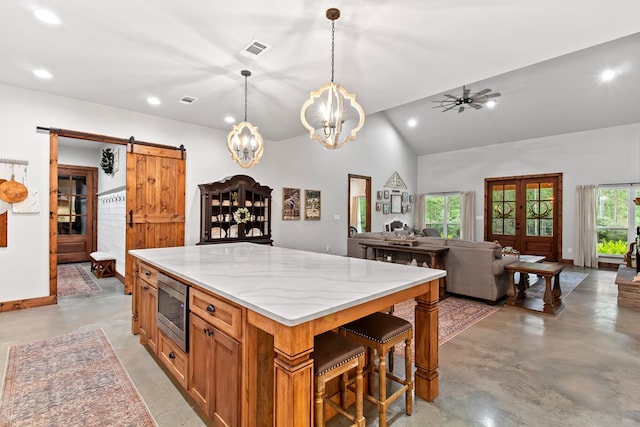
(245, 98)
(333, 44)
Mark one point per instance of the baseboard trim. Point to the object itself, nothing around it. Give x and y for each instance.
(21, 304)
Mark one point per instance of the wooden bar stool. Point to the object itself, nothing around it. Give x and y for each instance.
(380, 332)
(334, 356)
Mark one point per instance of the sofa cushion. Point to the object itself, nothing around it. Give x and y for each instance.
(480, 245)
(436, 241)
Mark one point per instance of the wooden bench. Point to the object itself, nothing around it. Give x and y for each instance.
(103, 264)
(628, 290)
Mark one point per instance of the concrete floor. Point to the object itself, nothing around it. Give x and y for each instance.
(514, 368)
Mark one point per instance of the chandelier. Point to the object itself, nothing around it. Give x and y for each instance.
(331, 109)
(244, 141)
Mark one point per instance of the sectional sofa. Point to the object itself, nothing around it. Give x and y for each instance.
(474, 269)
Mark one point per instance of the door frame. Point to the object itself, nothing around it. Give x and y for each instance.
(367, 191)
(558, 218)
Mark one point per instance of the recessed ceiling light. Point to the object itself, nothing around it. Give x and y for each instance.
(607, 75)
(229, 119)
(42, 73)
(412, 123)
(47, 16)
(153, 100)
(490, 103)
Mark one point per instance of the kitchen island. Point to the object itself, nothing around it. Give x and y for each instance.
(262, 306)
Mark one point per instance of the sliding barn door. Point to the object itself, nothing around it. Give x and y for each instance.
(155, 200)
(525, 212)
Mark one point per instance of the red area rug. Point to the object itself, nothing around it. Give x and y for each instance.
(73, 279)
(454, 316)
(70, 380)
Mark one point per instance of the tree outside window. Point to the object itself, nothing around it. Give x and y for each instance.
(616, 219)
(442, 212)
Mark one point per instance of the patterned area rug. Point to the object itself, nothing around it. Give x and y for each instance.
(73, 279)
(70, 380)
(454, 316)
(569, 280)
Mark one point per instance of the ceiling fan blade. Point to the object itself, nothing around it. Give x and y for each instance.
(460, 110)
(483, 91)
(475, 105)
(448, 108)
(465, 92)
(493, 95)
(450, 96)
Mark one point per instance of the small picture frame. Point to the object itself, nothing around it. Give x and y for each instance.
(386, 208)
(312, 205)
(290, 204)
(378, 206)
(405, 197)
(386, 194)
(409, 208)
(412, 198)
(379, 195)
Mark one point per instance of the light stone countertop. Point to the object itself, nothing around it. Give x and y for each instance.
(286, 285)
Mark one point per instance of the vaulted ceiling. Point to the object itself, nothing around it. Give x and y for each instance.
(397, 56)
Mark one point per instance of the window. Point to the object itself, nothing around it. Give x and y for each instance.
(616, 218)
(442, 212)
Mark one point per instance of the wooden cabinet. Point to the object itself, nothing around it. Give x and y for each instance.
(173, 358)
(147, 297)
(221, 199)
(215, 362)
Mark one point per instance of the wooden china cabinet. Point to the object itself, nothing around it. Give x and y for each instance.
(239, 194)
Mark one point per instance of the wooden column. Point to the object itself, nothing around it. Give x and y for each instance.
(426, 341)
(293, 377)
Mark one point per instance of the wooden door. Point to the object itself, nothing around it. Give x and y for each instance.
(525, 213)
(77, 209)
(155, 200)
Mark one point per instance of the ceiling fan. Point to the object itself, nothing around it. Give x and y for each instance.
(468, 99)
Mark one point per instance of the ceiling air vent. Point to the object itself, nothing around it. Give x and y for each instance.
(188, 99)
(254, 49)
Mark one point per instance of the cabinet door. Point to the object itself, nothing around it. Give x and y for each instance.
(148, 297)
(226, 380)
(214, 364)
(200, 362)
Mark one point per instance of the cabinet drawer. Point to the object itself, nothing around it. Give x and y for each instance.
(173, 358)
(218, 312)
(148, 274)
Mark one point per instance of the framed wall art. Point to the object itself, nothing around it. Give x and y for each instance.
(312, 204)
(378, 206)
(379, 195)
(386, 208)
(386, 194)
(290, 204)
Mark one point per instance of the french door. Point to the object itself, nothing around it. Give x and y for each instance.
(525, 212)
(76, 223)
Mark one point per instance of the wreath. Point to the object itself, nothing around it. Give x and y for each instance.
(108, 158)
(242, 216)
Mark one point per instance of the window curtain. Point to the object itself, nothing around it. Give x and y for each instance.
(419, 213)
(585, 239)
(467, 215)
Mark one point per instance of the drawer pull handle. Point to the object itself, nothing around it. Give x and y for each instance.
(172, 355)
(148, 273)
(211, 308)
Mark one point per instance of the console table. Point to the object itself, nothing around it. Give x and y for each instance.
(435, 255)
(550, 271)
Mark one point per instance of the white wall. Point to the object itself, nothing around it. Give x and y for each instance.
(298, 162)
(602, 156)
